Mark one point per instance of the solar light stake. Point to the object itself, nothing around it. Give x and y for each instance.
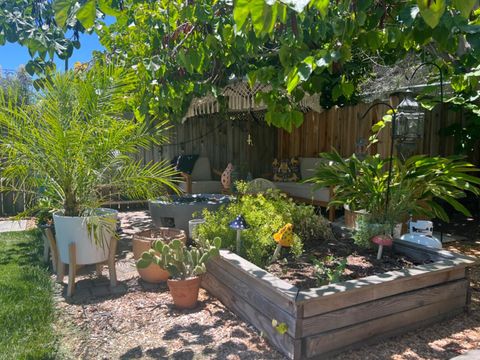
(239, 224)
(239, 241)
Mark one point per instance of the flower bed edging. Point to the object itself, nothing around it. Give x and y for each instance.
(333, 318)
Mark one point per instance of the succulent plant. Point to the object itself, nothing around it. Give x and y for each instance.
(180, 261)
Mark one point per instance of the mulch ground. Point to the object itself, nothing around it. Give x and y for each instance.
(137, 320)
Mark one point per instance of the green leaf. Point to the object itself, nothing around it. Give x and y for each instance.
(322, 6)
(296, 118)
(431, 11)
(105, 6)
(62, 11)
(292, 79)
(281, 328)
(464, 6)
(142, 263)
(241, 11)
(337, 92)
(260, 13)
(347, 89)
(378, 126)
(87, 14)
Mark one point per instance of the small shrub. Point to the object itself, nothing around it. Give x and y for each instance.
(266, 214)
(329, 274)
(366, 229)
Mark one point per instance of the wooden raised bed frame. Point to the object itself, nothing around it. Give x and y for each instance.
(333, 318)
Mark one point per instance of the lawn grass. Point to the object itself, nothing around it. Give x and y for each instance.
(26, 299)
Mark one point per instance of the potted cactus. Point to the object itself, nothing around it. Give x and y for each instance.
(184, 265)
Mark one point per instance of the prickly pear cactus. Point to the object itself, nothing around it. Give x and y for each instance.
(178, 260)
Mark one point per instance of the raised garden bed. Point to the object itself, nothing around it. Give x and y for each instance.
(333, 318)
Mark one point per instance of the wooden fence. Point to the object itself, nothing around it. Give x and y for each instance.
(245, 141)
(343, 128)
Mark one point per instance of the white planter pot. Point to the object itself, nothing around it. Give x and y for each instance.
(74, 229)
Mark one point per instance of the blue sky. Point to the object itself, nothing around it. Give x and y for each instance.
(14, 55)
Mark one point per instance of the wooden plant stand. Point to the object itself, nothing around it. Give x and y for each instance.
(59, 266)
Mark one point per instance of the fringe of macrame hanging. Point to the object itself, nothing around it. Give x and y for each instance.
(240, 97)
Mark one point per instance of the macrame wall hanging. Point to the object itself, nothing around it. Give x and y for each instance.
(241, 97)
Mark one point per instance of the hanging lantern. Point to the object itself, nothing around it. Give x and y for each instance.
(409, 119)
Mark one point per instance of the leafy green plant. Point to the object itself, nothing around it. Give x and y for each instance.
(265, 213)
(416, 185)
(366, 229)
(182, 263)
(281, 328)
(329, 274)
(75, 140)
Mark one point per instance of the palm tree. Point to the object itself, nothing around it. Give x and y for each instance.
(75, 140)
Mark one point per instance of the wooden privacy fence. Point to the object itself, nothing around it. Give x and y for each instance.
(245, 141)
(342, 128)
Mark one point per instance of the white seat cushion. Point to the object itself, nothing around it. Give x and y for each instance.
(201, 170)
(304, 191)
(203, 187)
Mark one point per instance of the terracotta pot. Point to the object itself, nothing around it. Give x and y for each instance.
(185, 292)
(143, 242)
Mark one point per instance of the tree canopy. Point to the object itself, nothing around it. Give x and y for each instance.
(182, 49)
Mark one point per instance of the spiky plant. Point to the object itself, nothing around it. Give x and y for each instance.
(75, 140)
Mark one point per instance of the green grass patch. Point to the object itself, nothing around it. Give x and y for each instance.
(26, 299)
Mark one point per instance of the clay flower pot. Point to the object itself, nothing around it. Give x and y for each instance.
(143, 242)
(185, 292)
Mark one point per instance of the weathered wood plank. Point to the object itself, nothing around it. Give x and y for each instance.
(270, 286)
(383, 307)
(250, 294)
(336, 339)
(285, 343)
(337, 296)
(437, 254)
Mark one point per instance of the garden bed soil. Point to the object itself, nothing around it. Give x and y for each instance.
(361, 262)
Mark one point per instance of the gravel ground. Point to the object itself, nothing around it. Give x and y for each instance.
(138, 321)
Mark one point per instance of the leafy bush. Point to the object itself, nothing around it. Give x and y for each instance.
(266, 214)
(416, 185)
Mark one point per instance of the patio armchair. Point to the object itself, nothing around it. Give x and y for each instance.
(200, 180)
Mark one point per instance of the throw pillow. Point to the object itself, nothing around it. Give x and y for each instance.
(185, 163)
(286, 170)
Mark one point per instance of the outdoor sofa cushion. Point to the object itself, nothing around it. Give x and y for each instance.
(201, 170)
(304, 191)
(203, 187)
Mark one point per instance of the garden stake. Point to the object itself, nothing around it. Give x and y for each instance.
(381, 241)
(284, 238)
(239, 224)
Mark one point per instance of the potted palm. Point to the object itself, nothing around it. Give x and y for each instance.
(184, 265)
(74, 141)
